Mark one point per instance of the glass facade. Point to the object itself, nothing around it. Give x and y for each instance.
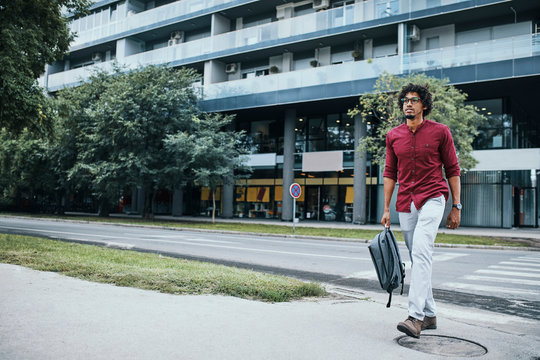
(324, 133)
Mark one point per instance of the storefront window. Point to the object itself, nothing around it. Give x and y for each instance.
(331, 132)
(300, 135)
(316, 134)
(497, 132)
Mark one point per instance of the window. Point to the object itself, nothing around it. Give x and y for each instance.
(496, 133)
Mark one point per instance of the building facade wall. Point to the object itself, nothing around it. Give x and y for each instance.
(307, 62)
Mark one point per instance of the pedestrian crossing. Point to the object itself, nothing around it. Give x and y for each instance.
(437, 257)
(518, 276)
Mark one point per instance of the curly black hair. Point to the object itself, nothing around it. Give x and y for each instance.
(423, 93)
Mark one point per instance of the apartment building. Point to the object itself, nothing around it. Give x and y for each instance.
(291, 70)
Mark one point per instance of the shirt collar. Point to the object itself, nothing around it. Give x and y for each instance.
(418, 128)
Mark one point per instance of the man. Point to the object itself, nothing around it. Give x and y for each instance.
(416, 151)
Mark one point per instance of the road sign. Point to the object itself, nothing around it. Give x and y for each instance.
(295, 190)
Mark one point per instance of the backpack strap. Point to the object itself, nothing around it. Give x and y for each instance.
(402, 282)
(389, 299)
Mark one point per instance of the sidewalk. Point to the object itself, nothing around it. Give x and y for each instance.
(49, 316)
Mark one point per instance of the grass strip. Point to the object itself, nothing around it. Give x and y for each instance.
(149, 271)
(287, 230)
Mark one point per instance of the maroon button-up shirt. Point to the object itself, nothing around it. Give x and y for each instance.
(415, 161)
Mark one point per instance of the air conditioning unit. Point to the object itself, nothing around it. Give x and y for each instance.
(321, 4)
(176, 38)
(231, 68)
(96, 56)
(414, 33)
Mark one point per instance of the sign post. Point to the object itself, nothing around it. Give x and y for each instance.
(295, 190)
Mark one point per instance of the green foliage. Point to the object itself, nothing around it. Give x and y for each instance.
(217, 154)
(381, 109)
(141, 128)
(33, 33)
(120, 121)
(25, 166)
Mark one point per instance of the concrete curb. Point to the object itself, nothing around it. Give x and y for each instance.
(289, 236)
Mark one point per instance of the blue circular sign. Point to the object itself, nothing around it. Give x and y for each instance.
(295, 190)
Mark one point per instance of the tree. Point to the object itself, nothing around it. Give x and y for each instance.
(33, 33)
(121, 121)
(380, 110)
(26, 169)
(216, 153)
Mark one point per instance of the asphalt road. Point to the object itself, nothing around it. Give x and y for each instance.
(506, 281)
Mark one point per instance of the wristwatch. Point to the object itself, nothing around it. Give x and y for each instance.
(457, 206)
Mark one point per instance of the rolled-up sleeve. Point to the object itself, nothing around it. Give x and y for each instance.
(390, 165)
(448, 155)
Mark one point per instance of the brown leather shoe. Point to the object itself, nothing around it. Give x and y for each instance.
(429, 323)
(411, 327)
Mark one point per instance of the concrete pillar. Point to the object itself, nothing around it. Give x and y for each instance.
(288, 164)
(287, 62)
(220, 24)
(178, 202)
(403, 42)
(368, 48)
(403, 46)
(359, 184)
(214, 72)
(227, 198)
(227, 195)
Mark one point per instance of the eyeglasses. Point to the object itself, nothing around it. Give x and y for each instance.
(413, 100)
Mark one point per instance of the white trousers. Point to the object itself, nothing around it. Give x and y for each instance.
(419, 229)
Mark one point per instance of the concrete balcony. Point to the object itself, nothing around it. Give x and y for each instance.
(145, 20)
(461, 64)
(326, 21)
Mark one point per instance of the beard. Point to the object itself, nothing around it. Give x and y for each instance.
(410, 117)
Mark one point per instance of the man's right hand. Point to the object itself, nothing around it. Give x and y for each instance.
(385, 220)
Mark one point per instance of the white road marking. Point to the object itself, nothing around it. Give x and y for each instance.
(503, 280)
(528, 258)
(489, 289)
(507, 273)
(517, 263)
(370, 274)
(192, 239)
(68, 233)
(513, 268)
(267, 250)
(315, 243)
(445, 256)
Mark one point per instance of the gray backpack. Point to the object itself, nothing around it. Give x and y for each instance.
(385, 255)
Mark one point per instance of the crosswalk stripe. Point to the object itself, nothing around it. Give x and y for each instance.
(528, 258)
(503, 280)
(445, 256)
(489, 289)
(507, 273)
(370, 274)
(517, 263)
(513, 268)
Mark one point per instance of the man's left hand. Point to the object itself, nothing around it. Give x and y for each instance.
(454, 219)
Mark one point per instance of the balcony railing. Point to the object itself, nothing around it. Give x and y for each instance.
(324, 20)
(454, 56)
(448, 57)
(141, 20)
